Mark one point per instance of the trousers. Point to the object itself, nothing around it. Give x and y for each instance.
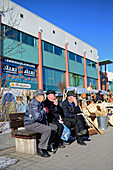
(45, 132)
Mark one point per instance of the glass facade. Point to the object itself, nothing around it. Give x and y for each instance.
(53, 49)
(58, 50)
(27, 39)
(90, 63)
(19, 36)
(48, 47)
(12, 33)
(75, 57)
(93, 82)
(51, 77)
(76, 80)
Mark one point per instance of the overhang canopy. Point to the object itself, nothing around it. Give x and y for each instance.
(104, 62)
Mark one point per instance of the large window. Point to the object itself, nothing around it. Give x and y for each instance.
(58, 50)
(48, 47)
(12, 33)
(90, 63)
(51, 77)
(27, 39)
(76, 80)
(75, 57)
(92, 81)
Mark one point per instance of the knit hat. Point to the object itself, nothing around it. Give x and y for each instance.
(38, 92)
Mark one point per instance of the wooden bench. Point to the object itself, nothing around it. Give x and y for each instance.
(25, 141)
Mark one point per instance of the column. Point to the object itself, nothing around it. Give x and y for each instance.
(85, 71)
(99, 88)
(0, 53)
(67, 67)
(40, 79)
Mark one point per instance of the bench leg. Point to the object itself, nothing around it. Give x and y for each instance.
(26, 145)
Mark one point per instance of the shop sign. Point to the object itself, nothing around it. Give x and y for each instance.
(9, 69)
(28, 72)
(20, 85)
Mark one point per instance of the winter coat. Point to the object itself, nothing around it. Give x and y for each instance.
(34, 113)
(53, 111)
(69, 111)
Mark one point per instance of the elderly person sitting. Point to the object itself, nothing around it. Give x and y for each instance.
(73, 118)
(35, 121)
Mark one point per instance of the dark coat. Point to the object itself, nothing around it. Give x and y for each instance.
(69, 111)
(54, 111)
(34, 112)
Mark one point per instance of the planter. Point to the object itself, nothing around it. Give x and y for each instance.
(102, 122)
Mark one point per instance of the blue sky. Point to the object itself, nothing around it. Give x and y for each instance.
(89, 20)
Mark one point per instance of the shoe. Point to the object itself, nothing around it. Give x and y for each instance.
(80, 141)
(86, 139)
(61, 145)
(66, 143)
(83, 132)
(52, 149)
(43, 153)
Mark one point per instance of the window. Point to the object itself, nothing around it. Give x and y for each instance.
(48, 47)
(78, 59)
(76, 80)
(93, 82)
(27, 39)
(71, 56)
(90, 63)
(12, 33)
(51, 77)
(57, 50)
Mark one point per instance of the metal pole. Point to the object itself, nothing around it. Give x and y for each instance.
(101, 75)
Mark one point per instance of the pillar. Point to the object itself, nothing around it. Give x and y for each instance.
(0, 53)
(99, 88)
(40, 78)
(67, 67)
(85, 71)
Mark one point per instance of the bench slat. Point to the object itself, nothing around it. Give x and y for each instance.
(16, 124)
(23, 132)
(16, 116)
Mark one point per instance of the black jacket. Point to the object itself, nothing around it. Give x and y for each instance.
(69, 111)
(54, 111)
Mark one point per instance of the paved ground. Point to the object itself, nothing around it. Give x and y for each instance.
(96, 155)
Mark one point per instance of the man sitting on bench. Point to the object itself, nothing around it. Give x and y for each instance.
(35, 121)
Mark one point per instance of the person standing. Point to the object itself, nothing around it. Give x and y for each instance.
(35, 121)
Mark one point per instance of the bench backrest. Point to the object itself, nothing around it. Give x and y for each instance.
(16, 120)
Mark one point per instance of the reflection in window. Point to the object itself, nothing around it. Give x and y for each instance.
(90, 63)
(48, 47)
(51, 77)
(27, 39)
(76, 80)
(58, 50)
(12, 33)
(93, 82)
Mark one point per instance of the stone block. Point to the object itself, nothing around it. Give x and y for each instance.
(27, 146)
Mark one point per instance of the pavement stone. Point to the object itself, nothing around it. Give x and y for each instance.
(96, 155)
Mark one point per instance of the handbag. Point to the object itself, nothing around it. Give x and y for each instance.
(66, 132)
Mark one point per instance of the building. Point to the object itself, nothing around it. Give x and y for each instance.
(37, 54)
